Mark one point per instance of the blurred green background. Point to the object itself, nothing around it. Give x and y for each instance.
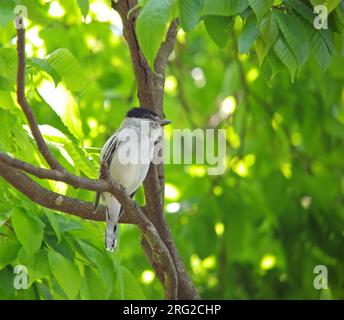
(255, 232)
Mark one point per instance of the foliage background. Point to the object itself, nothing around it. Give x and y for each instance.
(256, 232)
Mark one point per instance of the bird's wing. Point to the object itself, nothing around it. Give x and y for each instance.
(106, 154)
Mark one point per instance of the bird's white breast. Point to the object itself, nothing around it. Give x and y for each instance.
(131, 172)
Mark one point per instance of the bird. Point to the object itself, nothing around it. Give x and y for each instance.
(128, 154)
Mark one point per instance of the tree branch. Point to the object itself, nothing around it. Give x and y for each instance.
(66, 177)
(150, 93)
(42, 146)
(49, 199)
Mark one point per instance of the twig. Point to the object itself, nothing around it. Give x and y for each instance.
(42, 146)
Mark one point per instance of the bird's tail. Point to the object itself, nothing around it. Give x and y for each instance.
(113, 209)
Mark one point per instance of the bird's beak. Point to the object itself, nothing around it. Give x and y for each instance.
(164, 122)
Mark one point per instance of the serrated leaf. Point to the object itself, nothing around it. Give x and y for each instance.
(151, 26)
(219, 29)
(189, 12)
(268, 29)
(307, 13)
(248, 35)
(294, 34)
(66, 273)
(320, 50)
(285, 54)
(224, 8)
(302, 9)
(69, 69)
(260, 7)
(44, 65)
(77, 154)
(28, 229)
(64, 104)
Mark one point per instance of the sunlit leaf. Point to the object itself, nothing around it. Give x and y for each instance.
(28, 228)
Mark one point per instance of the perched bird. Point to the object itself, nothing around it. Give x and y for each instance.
(128, 153)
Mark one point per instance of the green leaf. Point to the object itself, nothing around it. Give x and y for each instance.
(329, 4)
(54, 224)
(92, 287)
(320, 51)
(79, 156)
(261, 49)
(87, 165)
(44, 65)
(219, 29)
(8, 64)
(6, 101)
(84, 7)
(29, 229)
(293, 32)
(189, 12)
(5, 85)
(64, 104)
(8, 252)
(69, 69)
(224, 8)
(276, 65)
(307, 13)
(127, 286)
(151, 27)
(302, 9)
(248, 34)
(66, 273)
(103, 263)
(4, 217)
(6, 284)
(260, 7)
(268, 29)
(38, 264)
(286, 56)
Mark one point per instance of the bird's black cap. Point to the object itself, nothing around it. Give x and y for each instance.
(141, 113)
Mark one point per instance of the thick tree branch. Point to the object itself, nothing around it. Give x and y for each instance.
(42, 146)
(49, 199)
(150, 94)
(75, 181)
